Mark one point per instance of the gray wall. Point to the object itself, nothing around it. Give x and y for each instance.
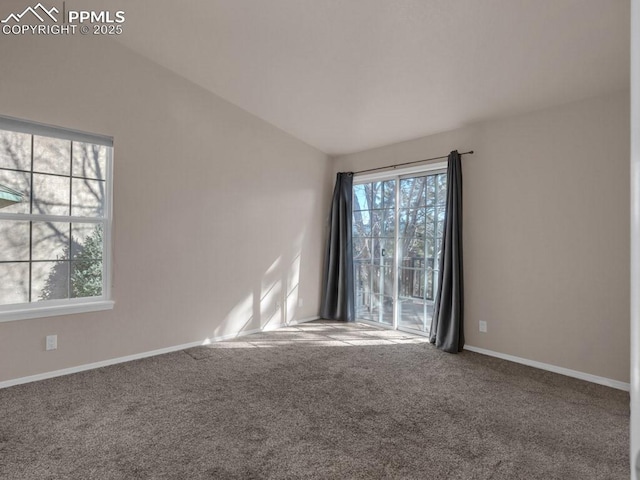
(546, 231)
(218, 215)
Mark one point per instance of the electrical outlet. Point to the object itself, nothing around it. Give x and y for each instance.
(300, 302)
(483, 326)
(52, 342)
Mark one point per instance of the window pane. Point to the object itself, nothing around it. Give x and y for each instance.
(412, 222)
(431, 215)
(442, 189)
(375, 280)
(412, 248)
(49, 280)
(14, 287)
(376, 222)
(87, 198)
(410, 282)
(50, 195)
(361, 224)
(382, 280)
(89, 161)
(412, 192)
(419, 282)
(86, 278)
(383, 309)
(431, 246)
(389, 194)
(387, 280)
(362, 197)
(50, 241)
(86, 241)
(362, 249)
(430, 280)
(15, 150)
(430, 191)
(415, 313)
(51, 155)
(18, 181)
(430, 230)
(362, 277)
(384, 251)
(363, 305)
(389, 223)
(376, 193)
(14, 241)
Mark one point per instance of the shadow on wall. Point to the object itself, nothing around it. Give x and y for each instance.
(273, 303)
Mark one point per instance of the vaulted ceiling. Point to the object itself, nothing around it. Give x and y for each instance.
(348, 75)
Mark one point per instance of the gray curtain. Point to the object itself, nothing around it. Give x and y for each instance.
(337, 294)
(447, 324)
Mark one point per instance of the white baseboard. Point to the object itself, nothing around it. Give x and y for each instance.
(553, 368)
(138, 356)
(303, 320)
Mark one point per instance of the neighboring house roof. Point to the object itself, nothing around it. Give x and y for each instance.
(9, 196)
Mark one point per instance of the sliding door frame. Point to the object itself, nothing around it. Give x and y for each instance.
(398, 174)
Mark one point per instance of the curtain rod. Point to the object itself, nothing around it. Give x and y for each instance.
(470, 152)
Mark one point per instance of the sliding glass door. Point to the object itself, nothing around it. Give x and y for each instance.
(401, 216)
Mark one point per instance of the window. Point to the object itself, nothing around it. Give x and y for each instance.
(397, 235)
(55, 242)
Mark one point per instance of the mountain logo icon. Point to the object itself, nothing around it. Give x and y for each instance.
(39, 11)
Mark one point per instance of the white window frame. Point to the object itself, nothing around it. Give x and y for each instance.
(398, 172)
(50, 308)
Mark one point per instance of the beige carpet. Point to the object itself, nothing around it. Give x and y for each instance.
(322, 400)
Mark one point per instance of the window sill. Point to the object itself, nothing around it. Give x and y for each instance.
(54, 310)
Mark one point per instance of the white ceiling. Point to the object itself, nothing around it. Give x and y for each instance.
(349, 75)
